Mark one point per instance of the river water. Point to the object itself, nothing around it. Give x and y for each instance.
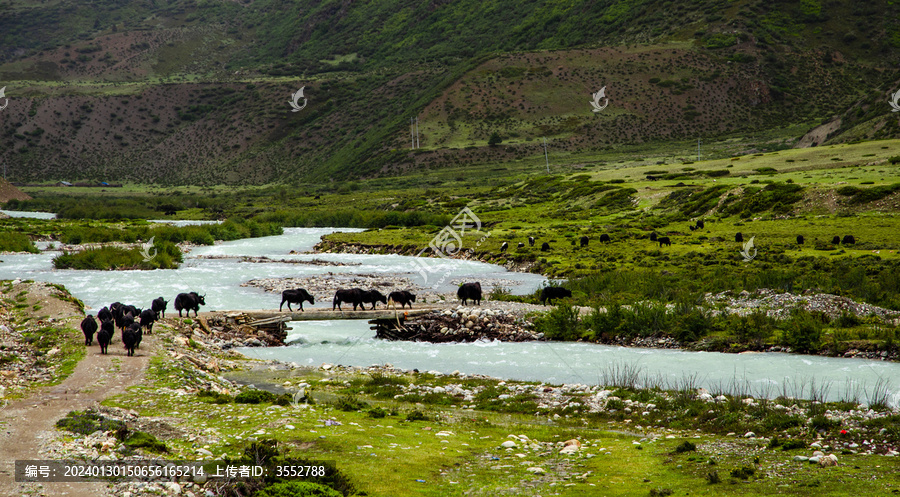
(353, 343)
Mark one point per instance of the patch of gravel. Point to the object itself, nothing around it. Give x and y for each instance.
(780, 304)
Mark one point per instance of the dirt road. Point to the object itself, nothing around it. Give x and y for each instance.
(26, 424)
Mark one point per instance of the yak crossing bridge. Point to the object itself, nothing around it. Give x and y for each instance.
(388, 323)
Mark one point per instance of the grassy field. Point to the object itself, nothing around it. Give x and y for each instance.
(433, 446)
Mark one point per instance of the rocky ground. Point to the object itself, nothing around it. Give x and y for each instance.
(781, 304)
(22, 364)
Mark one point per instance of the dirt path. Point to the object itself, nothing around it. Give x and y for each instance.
(26, 424)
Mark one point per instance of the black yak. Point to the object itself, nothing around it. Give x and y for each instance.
(147, 318)
(129, 339)
(584, 241)
(653, 236)
(189, 302)
(700, 224)
(553, 292)
(372, 297)
(739, 237)
(664, 240)
(104, 336)
(88, 327)
(402, 297)
(159, 307)
(800, 240)
(295, 296)
(848, 240)
(545, 247)
(604, 238)
(351, 296)
(104, 314)
(470, 291)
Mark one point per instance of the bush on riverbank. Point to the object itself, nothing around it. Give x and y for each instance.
(698, 327)
(167, 256)
(204, 234)
(16, 242)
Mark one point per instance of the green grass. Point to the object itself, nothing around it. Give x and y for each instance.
(387, 455)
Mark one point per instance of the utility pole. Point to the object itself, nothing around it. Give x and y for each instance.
(546, 156)
(417, 131)
(412, 133)
(698, 149)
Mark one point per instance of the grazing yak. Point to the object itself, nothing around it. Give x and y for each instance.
(372, 297)
(88, 327)
(664, 240)
(553, 292)
(351, 296)
(159, 307)
(189, 302)
(604, 238)
(800, 240)
(295, 296)
(520, 245)
(836, 240)
(470, 291)
(130, 339)
(504, 246)
(739, 237)
(653, 236)
(531, 241)
(692, 228)
(147, 318)
(700, 224)
(545, 247)
(104, 336)
(848, 240)
(402, 297)
(584, 241)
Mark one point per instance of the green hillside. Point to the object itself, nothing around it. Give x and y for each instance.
(196, 92)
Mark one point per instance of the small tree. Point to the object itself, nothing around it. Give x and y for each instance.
(495, 139)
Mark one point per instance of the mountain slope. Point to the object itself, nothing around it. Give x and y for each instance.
(196, 92)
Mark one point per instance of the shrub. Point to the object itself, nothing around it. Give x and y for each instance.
(350, 403)
(561, 323)
(685, 447)
(255, 397)
(85, 423)
(146, 441)
(298, 489)
(743, 472)
(803, 333)
(16, 242)
(416, 415)
(213, 397)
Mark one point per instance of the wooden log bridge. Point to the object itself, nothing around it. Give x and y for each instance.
(256, 318)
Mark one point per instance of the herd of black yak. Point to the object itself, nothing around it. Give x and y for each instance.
(132, 321)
